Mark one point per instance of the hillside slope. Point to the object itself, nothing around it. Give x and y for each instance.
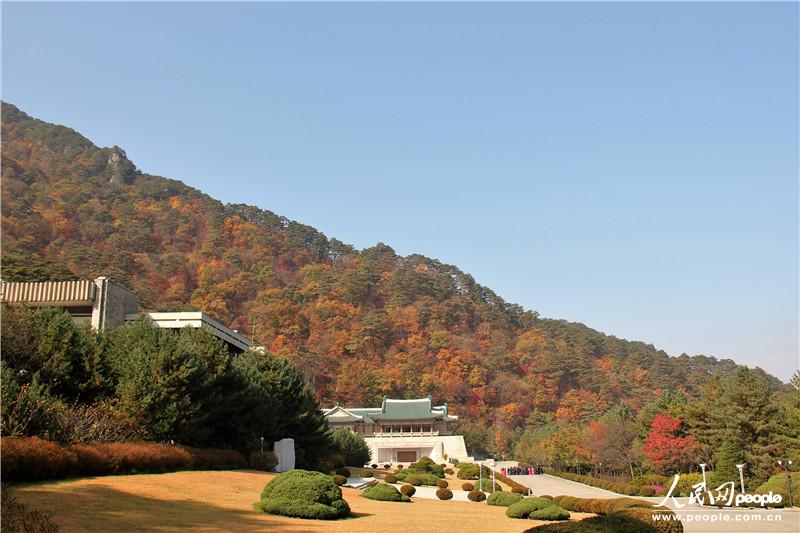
(360, 324)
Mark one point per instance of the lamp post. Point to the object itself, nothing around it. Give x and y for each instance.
(787, 467)
(480, 475)
(741, 475)
(262, 445)
(703, 466)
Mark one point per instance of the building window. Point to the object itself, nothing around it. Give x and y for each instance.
(386, 429)
(426, 428)
(418, 429)
(406, 429)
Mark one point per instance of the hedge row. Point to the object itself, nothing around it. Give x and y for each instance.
(629, 510)
(31, 459)
(649, 485)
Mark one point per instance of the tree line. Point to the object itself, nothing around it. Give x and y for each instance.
(70, 384)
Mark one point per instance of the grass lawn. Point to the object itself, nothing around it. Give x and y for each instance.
(222, 501)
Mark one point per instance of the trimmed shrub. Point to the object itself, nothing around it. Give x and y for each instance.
(343, 472)
(387, 466)
(546, 497)
(504, 499)
(263, 461)
(471, 471)
(519, 490)
(467, 486)
(442, 484)
(399, 467)
(31, 459)
(304, 494)
(476, 496)
(444, 494)
(339, 480)
(400, 475)
(391, 478)
(425, 465)
(645, 516)
(631, 490)
(646, 490)
(596, 524)
(385, 493)
(373, 466)
(526, 506)
(487, 486)
(777, 484)
(408, 490)
(553, 512)
(649, 479)
(416, 478)
(449, 471)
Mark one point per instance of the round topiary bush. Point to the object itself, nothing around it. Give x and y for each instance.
(391, 478)
(504, 499)
(444, 494)
(339, 480)
(399, 467)
(546, 497)
(476, 496)
(304, 494)
(385, 493)
(519, 490)
(550, 513)
(647, 491)
(374, 465)
(449, 471)
(408, 490)
(442, 484)
(467, 487)
(526, 506)
(343, 472)
(631, 490)
(400, 475)
(387, 466)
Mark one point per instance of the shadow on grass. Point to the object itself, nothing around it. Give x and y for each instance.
(99, 508)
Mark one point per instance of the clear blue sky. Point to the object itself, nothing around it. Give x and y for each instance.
(630, 166)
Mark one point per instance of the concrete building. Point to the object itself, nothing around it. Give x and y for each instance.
(100, 302)
(197, 319)
(402, 431)
(105, 304)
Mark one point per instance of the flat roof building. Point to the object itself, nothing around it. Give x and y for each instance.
(106, 304)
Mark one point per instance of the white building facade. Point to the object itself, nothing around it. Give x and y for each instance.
(402, 431)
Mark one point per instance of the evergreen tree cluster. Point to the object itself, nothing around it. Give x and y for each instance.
(70, 384)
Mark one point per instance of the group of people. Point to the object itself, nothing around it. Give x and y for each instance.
(523, 470)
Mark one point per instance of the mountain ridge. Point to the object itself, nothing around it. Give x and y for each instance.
(359, 323)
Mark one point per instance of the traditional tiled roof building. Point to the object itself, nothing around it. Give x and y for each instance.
(402, 431)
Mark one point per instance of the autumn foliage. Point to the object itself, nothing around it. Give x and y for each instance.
(31, 459)
(358, 324)
(666, 447)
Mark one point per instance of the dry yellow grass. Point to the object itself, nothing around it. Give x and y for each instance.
(222, 501)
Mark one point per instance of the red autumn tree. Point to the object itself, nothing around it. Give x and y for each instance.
(666, 447)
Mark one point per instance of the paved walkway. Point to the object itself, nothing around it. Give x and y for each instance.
(695, 518)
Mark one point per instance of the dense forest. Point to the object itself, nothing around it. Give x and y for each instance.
(358, 323)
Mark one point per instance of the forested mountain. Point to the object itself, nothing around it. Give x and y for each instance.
(360, 324)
